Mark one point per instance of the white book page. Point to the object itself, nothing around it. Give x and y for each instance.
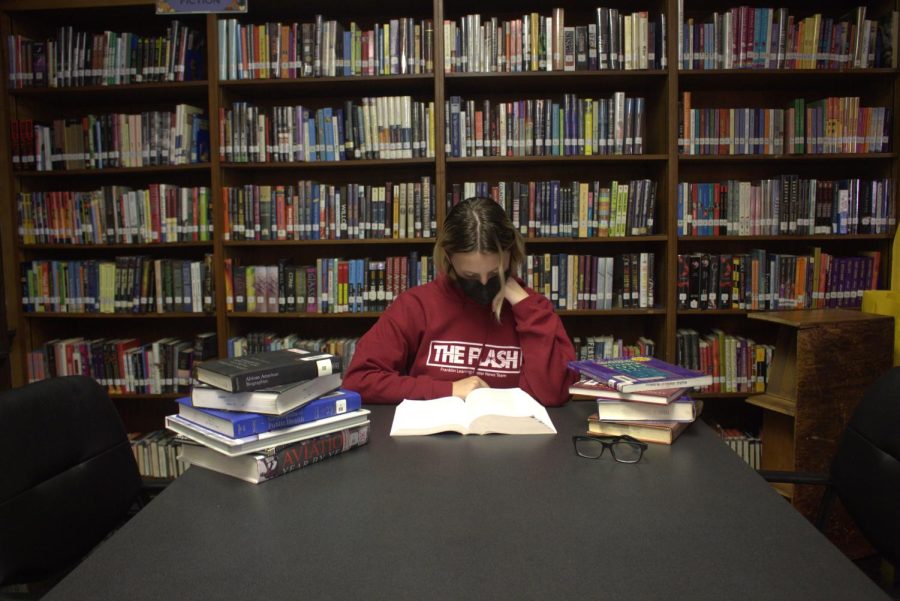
(412, 418)
(506, 402)
(496, 410)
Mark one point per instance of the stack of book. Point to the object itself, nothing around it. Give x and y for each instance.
(257, 417)
(641, 397)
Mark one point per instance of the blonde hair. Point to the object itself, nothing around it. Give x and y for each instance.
(478, 224)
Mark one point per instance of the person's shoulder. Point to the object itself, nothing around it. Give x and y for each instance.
(418, 296)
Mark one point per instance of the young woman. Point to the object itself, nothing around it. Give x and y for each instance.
(473, 326)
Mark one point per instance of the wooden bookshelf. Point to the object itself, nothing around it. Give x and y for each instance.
(661, 161)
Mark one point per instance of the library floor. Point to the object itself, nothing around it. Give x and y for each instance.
(872, 567)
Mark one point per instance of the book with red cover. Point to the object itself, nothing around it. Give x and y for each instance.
(640, 373)
(594, 389)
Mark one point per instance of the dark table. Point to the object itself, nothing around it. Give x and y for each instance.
(477, 517)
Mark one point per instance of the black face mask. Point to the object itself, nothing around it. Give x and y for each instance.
(482, 294)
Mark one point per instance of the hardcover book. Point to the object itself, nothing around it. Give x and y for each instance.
(663, 432)
(272, 400)
(592, 388)
(237, 424)
(483, 411)
(267, 440)
(262, 370)
(640, 373)
(259, 467)
(683, 409)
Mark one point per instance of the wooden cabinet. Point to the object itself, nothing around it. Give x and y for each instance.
(824, 360)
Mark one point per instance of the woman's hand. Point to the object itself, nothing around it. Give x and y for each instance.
(512, 291)
(462, 388)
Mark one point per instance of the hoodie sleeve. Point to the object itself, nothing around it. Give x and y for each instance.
(546, 351)
(384, 354)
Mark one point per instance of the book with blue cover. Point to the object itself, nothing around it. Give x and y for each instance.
(640, 373)
(240, 424)
(265, 440)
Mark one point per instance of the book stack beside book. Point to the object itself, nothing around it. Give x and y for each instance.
(260, 416)
(641, 397)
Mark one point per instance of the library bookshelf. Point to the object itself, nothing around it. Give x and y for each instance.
(434, 162)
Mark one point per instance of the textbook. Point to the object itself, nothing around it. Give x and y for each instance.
(272, 400)
(640, 373)
(593, 388)
(238, 424)
(483, 411)
(270, 368)
(664, 432)
(259, 467)
(683, 409)
(266, 440)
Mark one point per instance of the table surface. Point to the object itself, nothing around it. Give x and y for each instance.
(481, 517)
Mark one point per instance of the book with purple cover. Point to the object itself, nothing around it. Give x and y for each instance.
(587, 387)
(640, 373)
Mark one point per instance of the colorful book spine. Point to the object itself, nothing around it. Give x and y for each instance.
(785, 205)
(75, 58)
(587, 282)
(161, 213)
(764, 281)
(546, 127)
(351, 211)
(830, 125)
(576, 209)
(386, 127)
(332, 285)
(127, 284)
(535, 42)
(324, 48)
(767, 38)
(116, 140)
(123, 365)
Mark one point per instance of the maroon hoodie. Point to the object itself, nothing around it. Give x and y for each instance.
(433, 335)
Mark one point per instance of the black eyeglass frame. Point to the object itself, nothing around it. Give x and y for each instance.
(608, 442)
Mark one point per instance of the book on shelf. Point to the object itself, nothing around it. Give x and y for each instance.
(332, 285)
(640, 373)
(260, 467)
(663, 432)
(272, 400)
(77, 58)
(324, 48)
(594, 389)
(569, 209)
(570, 126)
(683, 409)
(483, 411)
(763, 280)
(265, 440)
(262, 370)
(239, 424)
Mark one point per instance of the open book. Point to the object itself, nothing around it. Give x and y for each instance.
(483, 411)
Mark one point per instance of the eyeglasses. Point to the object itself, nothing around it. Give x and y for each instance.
(624, 449)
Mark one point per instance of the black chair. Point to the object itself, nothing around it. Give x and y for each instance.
(865, 472)
(68, 476)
